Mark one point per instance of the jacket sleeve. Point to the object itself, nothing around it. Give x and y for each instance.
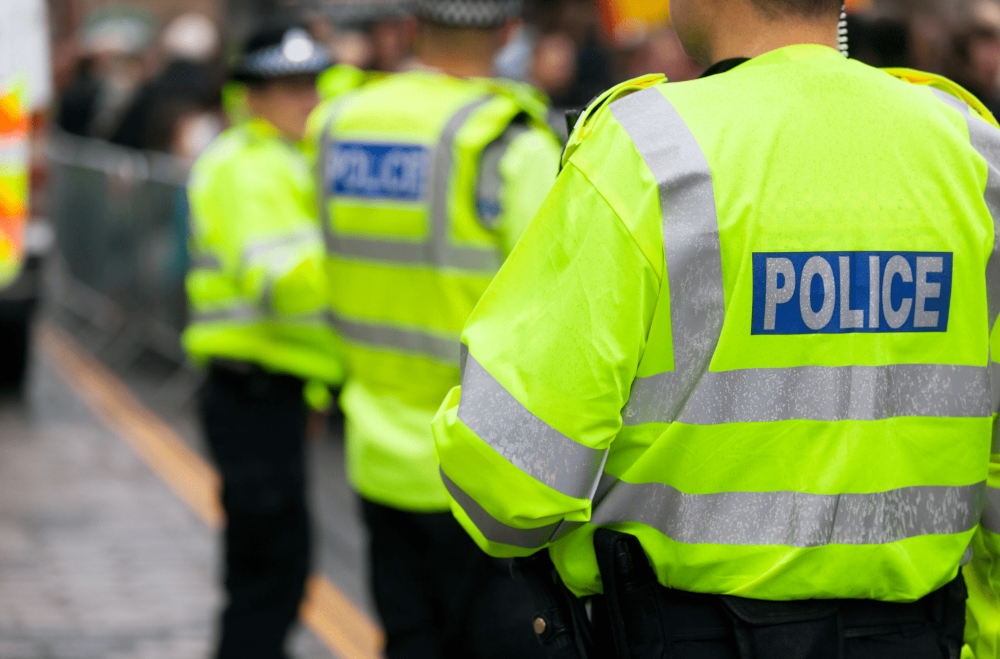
(262, 220)
(982, 574)
(553, 348)
(516, 173)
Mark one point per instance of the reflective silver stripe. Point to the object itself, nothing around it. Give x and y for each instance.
(604, 487)
(690, 236)
(494, 530)
(951, 100)
(818, 393)
(418, 342)
(204, 262)
(995, 388)
(235, 313)
(441, 183)
(267, 295)
(489, 183)
(247, 313)
(463, 358)
(985, 139)
(794, 519)
(486, 260)
(995, 384)
(527, 442)
(256, 250)
(434, 250)
(991, 516)
(381, 250)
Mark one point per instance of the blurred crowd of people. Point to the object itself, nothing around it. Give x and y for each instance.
(131, 89)
(961, 42)
(129, 83)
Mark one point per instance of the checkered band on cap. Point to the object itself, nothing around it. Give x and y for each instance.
(468, 13)
(297, 54)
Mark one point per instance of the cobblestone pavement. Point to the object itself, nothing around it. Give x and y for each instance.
(98, 558)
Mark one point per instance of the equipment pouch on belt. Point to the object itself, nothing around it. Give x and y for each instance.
(561, 622)
(634, 608)
(786, 629)
(833, 629)
(644, 619)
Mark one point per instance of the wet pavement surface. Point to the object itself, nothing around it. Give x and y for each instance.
(100, 559)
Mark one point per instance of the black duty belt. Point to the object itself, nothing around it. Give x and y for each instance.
(639, 614)
(253, 379)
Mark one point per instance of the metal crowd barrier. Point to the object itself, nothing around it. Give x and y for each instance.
(121, 217)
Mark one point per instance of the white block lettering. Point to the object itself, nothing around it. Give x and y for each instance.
(775, 295)
(897, 265)
(926, 289)
(817, 266)
(874, 274)
(849, 318)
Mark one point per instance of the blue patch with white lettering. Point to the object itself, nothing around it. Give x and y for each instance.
(843, 292)
(395, 172)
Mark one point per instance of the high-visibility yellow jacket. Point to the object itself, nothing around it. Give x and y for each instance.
(428, 181)
(257, 285)
(751, 325)
(14, 173)
(342, 78)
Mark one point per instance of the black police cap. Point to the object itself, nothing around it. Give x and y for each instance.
(277, 51)
(468, 13)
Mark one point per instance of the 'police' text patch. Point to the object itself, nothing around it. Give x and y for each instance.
(840, 292)
(396, 172)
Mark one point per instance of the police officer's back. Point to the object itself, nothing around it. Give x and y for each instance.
(751, 328)
(429, 178)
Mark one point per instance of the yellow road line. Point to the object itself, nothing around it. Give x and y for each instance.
(345, 630)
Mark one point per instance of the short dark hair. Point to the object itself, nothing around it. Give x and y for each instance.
(799, 7)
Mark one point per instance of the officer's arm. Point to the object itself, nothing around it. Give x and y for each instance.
(553, 348)
(516, 173)
(982, 575)
(274, 246)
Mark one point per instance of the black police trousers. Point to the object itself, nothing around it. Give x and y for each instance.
(439, 596)
(255, 424)
(679, 625)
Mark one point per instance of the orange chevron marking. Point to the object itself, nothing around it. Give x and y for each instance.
(10, 204)
(12, 118)
(13, 215)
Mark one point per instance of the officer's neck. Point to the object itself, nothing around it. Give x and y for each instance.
(749, 34)
(459, 52)
(457, 67)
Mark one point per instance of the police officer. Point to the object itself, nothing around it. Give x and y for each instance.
(736, 377)
(428, 178)
(257, 291)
